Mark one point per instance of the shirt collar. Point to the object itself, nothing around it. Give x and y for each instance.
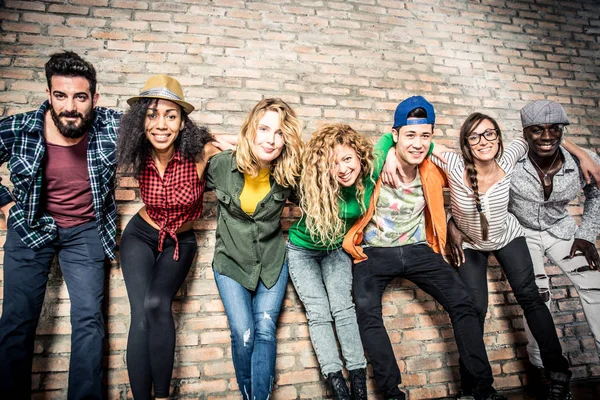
(234, 166)
(34, 122)
(568, 164)
(177, 156)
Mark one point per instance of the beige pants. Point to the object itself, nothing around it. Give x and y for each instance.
(587, 283)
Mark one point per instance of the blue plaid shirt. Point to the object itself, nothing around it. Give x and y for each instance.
(22, 145)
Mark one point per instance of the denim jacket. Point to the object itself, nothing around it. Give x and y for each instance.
(22, 145)
(248, 247)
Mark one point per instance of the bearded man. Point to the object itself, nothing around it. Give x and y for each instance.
(61, 159)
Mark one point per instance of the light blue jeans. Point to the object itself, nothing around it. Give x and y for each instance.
(323, 280)
(252, 317)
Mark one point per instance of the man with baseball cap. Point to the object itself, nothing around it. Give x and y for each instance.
(402, 235)
(543, 184)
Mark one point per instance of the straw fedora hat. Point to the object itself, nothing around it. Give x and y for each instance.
(163, 87)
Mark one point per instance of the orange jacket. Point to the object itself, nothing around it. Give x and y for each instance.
(433, 180)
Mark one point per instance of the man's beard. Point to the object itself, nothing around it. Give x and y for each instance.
(70, 130)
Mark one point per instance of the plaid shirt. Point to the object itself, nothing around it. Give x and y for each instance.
(22, 145)
(174, 199)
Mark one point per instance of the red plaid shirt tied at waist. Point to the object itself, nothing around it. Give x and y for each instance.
(174, 199)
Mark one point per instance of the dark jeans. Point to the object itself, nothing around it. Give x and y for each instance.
(81, 259)
(515, 260)
(420, 264)
(152, 279)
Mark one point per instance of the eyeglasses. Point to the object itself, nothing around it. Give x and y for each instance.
(539, 129)
(489, 135)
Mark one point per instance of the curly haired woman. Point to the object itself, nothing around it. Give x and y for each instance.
(252, 185)
(167, 153)
(335, 186)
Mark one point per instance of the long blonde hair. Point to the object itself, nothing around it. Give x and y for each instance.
(319, 189)
(285, 169)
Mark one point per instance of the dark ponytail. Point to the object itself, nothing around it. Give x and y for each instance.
(472, 174)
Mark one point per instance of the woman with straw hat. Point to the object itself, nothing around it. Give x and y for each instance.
(167, 153)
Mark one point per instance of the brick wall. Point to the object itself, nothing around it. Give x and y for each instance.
(348, 61)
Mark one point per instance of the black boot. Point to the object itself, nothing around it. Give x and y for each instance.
(338, 386)
(358, 384)
(559, 386)
(537, 383)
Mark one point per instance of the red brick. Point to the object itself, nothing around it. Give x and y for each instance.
(20, 27)
(25, 5)
(67, 9)
(64, 31)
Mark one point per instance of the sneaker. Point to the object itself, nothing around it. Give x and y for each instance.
(358, 384)
(338, 386)
(559, 386)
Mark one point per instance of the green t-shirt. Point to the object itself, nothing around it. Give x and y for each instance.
(349, 206)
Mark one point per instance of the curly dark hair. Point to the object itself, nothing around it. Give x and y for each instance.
(69, 63)
(133, 148)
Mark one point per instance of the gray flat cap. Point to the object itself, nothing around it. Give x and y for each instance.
(542, 112)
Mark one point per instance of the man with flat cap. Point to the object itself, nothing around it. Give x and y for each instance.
(543, 183)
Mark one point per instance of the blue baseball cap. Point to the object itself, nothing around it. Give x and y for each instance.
(405, 107)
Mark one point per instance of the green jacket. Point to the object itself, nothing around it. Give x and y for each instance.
(248, 247)
(349, 206)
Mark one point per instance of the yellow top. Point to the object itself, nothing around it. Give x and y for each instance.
(255, 189)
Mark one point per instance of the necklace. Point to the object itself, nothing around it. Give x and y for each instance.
(546, 180)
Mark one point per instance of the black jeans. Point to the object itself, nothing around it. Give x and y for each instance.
(81, 260)
(420, 264)
(515, 260)
(152, 279)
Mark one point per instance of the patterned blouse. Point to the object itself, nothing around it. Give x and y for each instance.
(174, 199)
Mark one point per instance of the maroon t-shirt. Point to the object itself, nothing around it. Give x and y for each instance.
(68, 193)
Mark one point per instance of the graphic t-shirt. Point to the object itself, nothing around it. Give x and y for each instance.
(399, 218)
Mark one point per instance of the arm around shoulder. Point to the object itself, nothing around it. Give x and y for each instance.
(589, 163)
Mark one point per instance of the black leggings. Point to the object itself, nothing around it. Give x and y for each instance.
(152, 279)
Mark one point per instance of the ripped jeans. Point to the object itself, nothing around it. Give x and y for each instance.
(252, 317)
(587, 283)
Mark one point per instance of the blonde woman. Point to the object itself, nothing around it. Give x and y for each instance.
(252, 185)
(335, 186)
